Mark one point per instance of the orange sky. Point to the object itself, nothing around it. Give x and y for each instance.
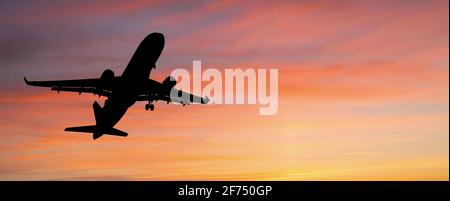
(363, 91)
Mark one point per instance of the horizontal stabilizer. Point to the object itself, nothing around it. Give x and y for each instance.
(83, 129)
(97, 131)
(117, 132)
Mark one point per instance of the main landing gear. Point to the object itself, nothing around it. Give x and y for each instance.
(149, 106)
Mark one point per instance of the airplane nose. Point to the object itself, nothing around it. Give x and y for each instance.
(154, 41)
(157, 36)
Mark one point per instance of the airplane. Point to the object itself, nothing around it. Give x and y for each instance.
(123, 91)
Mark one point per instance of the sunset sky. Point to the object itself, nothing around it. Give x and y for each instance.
(363, 90)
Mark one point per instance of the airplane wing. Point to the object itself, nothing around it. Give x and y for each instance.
(181, 98)
(79, 86)
(184, 98)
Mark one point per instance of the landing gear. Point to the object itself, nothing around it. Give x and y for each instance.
(149, 106)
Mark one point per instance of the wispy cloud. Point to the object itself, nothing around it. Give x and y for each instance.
(363, 90)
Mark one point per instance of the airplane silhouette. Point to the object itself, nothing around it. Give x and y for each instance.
(123, 91)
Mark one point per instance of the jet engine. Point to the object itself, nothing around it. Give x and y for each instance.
(168, 84)
(106, 80)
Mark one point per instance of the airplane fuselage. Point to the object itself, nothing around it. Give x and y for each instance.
(117, 105)
(125, 89)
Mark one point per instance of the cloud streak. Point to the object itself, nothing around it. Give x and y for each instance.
(363, 91)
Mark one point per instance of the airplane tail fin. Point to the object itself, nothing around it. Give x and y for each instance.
(97, 111)
(97, 131)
